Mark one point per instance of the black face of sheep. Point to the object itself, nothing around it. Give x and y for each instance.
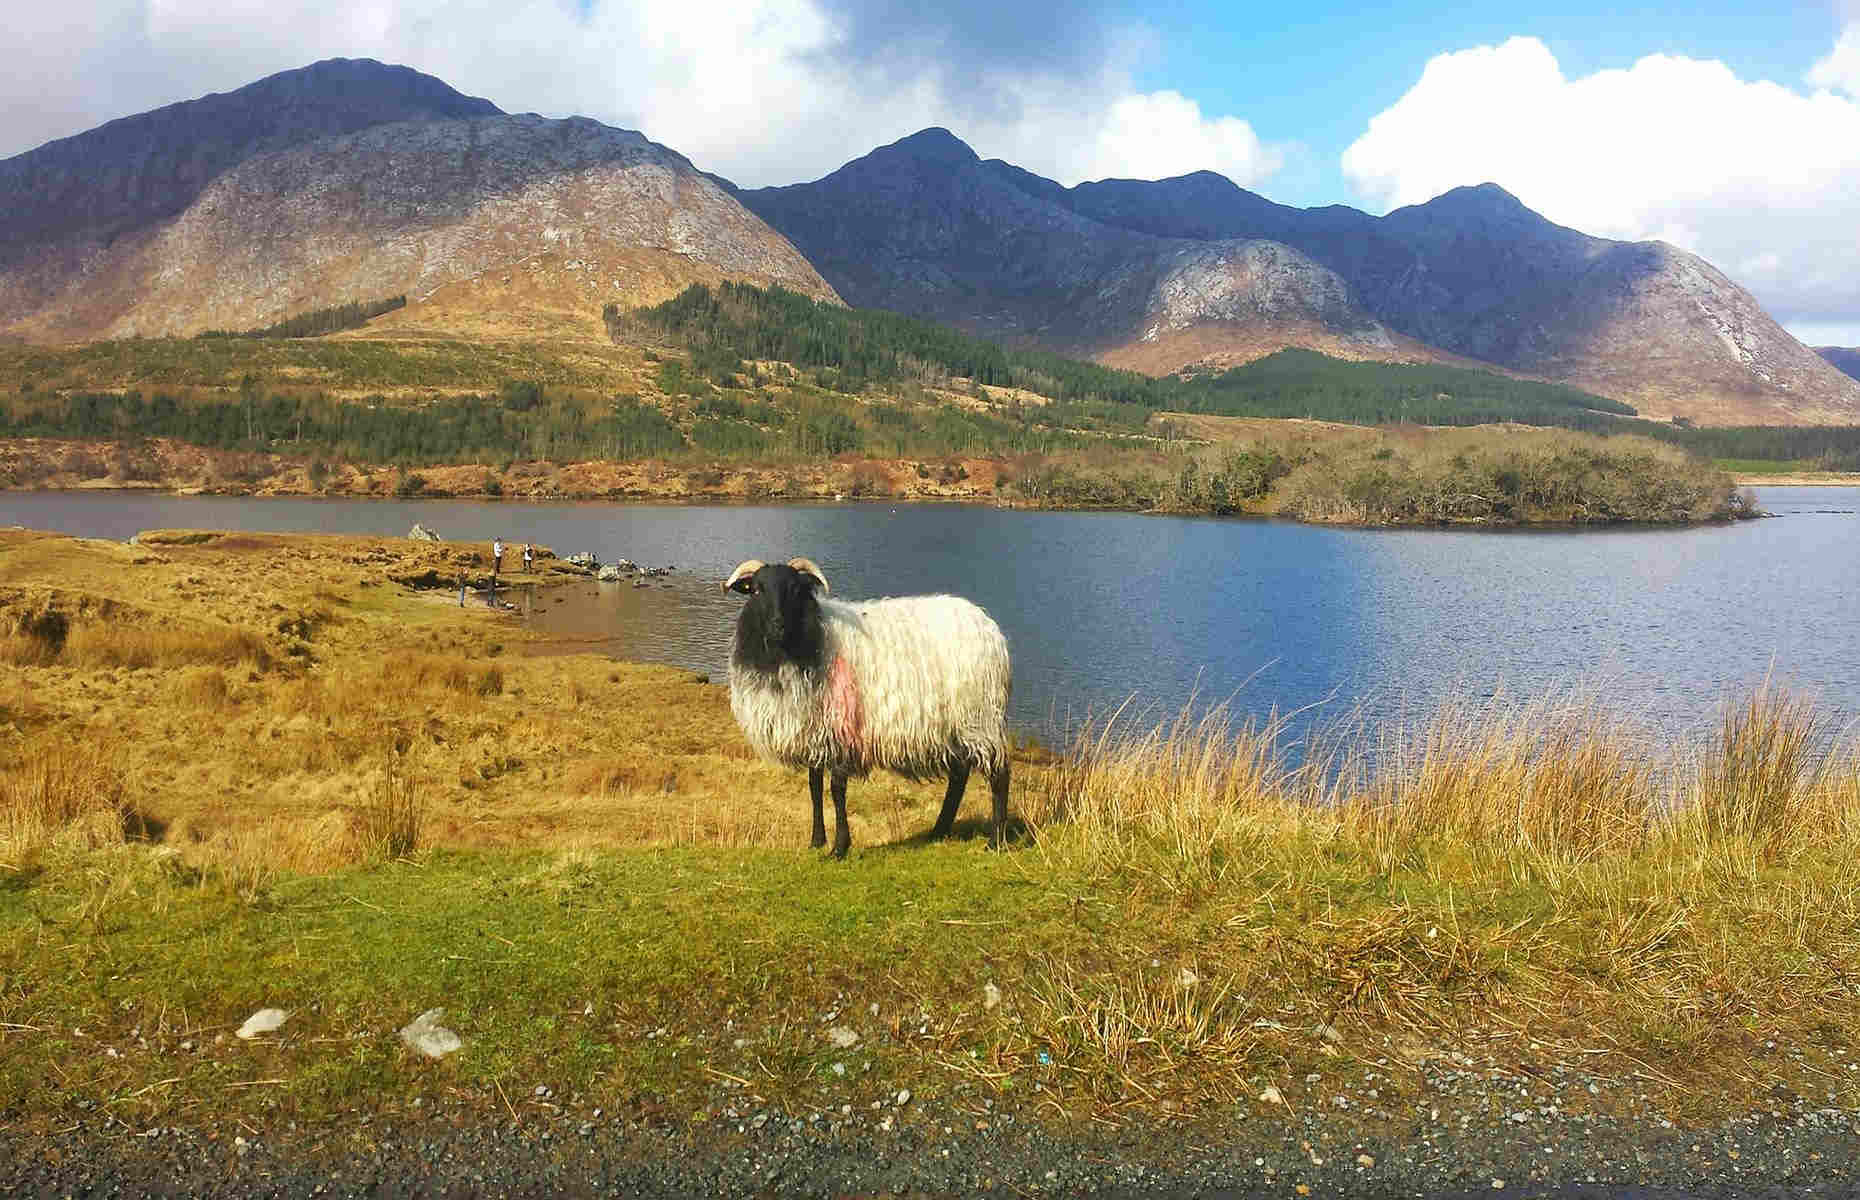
(781, 622)
(915, 684)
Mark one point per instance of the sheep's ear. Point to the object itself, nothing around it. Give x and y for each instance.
(740, 578)
(806, 567)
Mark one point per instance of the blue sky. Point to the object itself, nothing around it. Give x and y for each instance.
(1316, 73)
(1732, 130)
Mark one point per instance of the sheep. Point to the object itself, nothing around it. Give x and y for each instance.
(915, 684)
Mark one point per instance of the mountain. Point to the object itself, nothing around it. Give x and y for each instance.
(924, 227)
(349, 180)
(1476, 272)
(1196, 269)
(1846, 361)
(122, 176)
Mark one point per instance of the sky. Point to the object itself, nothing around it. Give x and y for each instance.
(1729, 129)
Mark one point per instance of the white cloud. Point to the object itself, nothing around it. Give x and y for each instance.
(1151, 136)
(1760, 179)
(763, 91)
(1826, 333)
(1840, 70)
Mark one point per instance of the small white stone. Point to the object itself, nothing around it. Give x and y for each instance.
(425, 1035)
(265, 1020)
(842, 1037)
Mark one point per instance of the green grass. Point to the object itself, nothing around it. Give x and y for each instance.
(560, 968)
(516, 947)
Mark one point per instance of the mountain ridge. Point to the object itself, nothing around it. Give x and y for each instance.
(348, 179)
(179, 148)
(1473, 274)
(925, 227)
(518, 222)
(1844, 359)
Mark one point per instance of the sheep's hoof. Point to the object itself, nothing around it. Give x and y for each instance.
(817, 841)
(839, 850)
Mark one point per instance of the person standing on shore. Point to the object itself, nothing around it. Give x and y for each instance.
(529, 558)
(497, 559)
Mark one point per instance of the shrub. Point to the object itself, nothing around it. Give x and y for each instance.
(394, 815)
(57, 786)
(37, 638)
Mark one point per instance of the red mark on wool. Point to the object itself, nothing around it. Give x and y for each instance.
(844, 714)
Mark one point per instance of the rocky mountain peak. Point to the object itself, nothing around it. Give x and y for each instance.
(932, 145)
(507, 218)
(123, 176)
(1485, 211)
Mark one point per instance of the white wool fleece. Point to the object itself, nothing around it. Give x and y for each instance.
(909, 683)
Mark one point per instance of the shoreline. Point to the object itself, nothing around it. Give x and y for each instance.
(1815, 479)
(1450, 478)
(733, 500)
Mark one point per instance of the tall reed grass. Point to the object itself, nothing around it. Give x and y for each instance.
(1198, 796)
(61, 790)
(47, 637)
(394, 816)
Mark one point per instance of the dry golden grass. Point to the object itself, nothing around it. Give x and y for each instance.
(1535, 864)
(137, 649)
(394, 817)
(256, 685)
(1559, 783)
(1768, 777)
(1545, 780)
(60, 790)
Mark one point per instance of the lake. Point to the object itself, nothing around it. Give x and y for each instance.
(1665, 624)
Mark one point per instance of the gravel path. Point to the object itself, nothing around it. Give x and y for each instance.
(1480, 1135)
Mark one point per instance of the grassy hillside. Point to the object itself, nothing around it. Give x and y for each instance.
(750, 393)
(1304, 383)
(733, 324)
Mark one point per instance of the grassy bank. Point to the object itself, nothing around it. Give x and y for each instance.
(302, 784)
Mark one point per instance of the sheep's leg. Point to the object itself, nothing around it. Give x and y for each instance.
(842, 836)
(998, 781)
(952, 800)
(815, 778)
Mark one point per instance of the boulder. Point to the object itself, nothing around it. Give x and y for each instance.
(421, 533)
(608, 574)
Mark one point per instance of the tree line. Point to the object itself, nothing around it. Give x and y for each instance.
(456, 429)
(728, 326)
(316, 322)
